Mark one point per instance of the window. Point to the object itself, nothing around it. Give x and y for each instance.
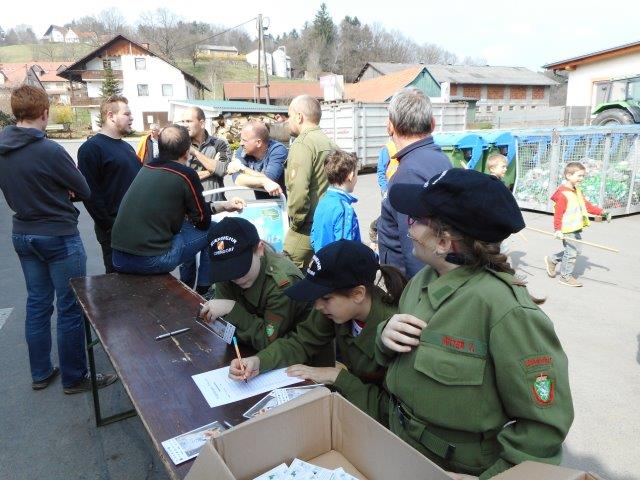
(489, 108)
(533, 107)
(167, 90)
(500, 108)
(143, 90)
(523, 107)
(141, 63)
(511, 107)
(106, 64)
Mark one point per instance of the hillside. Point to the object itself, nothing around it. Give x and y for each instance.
(213, 73)
(45, 52)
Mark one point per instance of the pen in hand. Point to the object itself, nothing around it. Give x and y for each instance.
(244, 373)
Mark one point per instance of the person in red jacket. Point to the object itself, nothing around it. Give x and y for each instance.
(570, 215)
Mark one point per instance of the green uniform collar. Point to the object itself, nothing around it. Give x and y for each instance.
(254, 293)
(440, 289)
(379, 312)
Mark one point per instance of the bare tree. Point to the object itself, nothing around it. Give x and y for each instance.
(478, 61)
(47, 51)
(160, 27)
(113, 21)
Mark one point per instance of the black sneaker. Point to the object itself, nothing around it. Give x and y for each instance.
(42, 384)
(84, 385)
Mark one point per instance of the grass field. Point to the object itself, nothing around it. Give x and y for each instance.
(45, 52)
(213, 73)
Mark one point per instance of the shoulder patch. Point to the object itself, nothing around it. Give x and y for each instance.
(543, 390)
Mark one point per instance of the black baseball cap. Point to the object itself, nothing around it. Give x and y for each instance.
(231, 248)
(474, 203)
(339, 265)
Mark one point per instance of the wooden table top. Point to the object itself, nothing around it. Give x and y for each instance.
(127, 312)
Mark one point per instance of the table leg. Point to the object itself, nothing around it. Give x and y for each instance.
(100, 422)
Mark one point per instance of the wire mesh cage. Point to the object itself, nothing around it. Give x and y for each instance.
(611, 156)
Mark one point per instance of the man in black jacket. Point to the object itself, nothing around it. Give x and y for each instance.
(109, 164)
(152, 237)
(39, 180)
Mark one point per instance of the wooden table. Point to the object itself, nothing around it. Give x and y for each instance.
(127, 312)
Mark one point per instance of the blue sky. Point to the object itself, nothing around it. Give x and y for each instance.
(528, 34)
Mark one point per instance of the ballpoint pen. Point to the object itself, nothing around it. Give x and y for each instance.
(172, 334)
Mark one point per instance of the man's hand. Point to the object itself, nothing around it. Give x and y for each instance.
(234, 166)
(251, 368)
(216, 308)
(402, 332)
(559, 235)
(236, 204)
(317, 374)
(272, 187)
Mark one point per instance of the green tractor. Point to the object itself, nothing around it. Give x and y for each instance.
(618, 102)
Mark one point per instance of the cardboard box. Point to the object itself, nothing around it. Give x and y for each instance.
(319, 427)
(542, 471)
(323, 428)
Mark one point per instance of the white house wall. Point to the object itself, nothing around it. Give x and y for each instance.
(156, 73)
(580, 82)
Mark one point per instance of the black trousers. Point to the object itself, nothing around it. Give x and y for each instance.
(104, 239)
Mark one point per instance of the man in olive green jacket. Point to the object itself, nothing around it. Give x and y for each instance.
(305, 178)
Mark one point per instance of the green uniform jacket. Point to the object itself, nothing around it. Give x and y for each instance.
(263, 312)
(305, 177)
(488, 356)
(362, 383)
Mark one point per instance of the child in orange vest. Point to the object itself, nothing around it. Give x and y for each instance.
(570, 216)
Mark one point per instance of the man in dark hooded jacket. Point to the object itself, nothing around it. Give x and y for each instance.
(39, 180)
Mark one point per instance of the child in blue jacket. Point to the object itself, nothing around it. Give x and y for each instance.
(335, 218)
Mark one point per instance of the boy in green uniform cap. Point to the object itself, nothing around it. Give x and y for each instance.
(478, 376)
(250, 279)
(348, 308)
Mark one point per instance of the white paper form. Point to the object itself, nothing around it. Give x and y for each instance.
(218, 389)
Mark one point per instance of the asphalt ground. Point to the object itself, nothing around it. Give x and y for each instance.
(46, 434)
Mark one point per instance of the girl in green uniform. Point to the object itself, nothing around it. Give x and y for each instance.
(250, 281)
(348, 308)
(477, 375)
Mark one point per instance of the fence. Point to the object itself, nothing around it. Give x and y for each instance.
(543, 117)
(610, 154)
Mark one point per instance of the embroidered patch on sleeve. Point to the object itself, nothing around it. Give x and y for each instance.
(543, 390)
(270, 330)
(534, 363)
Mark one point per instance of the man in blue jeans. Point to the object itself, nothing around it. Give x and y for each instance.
(39, 181)
(150, 234)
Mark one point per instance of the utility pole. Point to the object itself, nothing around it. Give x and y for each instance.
(258, 84)
(262, 51)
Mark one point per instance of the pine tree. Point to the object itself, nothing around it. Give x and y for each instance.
(110, 86)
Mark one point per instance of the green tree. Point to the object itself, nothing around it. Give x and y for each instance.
(110, 86)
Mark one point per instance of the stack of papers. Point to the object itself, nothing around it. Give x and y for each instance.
(299, 470)
(187, 446)
(277, 397)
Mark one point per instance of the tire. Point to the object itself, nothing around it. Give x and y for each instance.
(613, 116)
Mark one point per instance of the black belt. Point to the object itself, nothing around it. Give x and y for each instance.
(437, 445)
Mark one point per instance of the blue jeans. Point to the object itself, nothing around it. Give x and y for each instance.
(184, 246)
(189, 268)
(48, 263)
(567, 258)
